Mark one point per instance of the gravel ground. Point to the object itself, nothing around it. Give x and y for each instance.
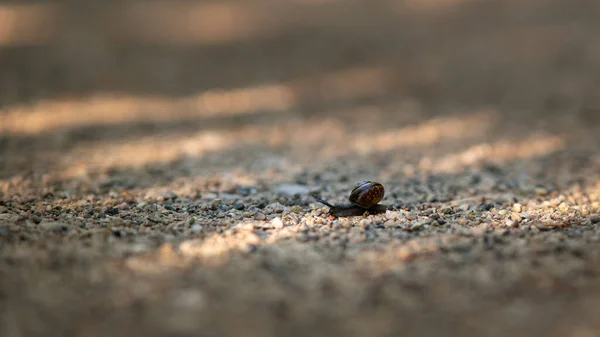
(162, 189)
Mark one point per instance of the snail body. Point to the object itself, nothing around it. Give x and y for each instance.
(364, 198)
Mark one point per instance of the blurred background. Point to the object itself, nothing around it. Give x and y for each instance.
(88, 85)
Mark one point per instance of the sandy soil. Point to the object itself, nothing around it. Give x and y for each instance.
(156, 163)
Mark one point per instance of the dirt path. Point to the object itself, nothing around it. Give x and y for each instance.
(161, 188)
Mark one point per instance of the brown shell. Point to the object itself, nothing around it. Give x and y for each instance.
(367, 194)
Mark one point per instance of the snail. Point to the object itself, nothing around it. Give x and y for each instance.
(364, 198)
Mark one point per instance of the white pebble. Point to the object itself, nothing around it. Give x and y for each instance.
(277, 223)
(518, 208)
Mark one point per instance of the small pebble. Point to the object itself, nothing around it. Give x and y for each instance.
(196, 228)
(363, 224)
(511, 223)
(418, 225)
(112, 211)
(595, 218)
(215, 204)
(518, 208)
(276, 207)
(544, 226)
(389, 223)
(259, 216)
(391, 215)
(277, 223)
(239, 206)
(563, 207)
(294, 219)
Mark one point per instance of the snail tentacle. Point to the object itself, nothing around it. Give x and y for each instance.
(322, 201)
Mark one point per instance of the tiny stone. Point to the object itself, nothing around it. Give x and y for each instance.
(123, 206)
(196, 228)
(215, 204)
(563, 207)
(259, 216)
(112, 211)
(296, 209)
(418, 225)
(277, 223)
(518, 208)
(391, 215)
(595, 218)
(294, 219)
(435, 223)
(239, 206)
(363, 224)
(516, 217)
(511, 223)
(3, 209)
(276, 208)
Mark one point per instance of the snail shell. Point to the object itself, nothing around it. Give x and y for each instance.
(367, 194)
(364, 198)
